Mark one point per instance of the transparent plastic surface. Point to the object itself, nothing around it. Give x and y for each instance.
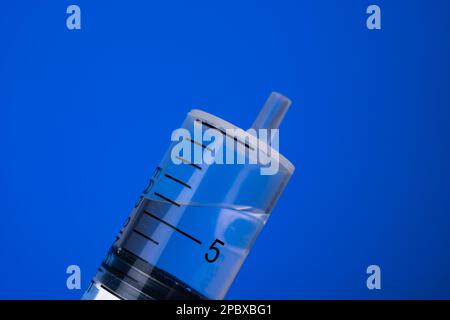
(193, 226)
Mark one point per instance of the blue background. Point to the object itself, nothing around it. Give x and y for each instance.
(85, 116)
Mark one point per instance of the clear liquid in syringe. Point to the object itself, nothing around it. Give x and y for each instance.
(201, 245)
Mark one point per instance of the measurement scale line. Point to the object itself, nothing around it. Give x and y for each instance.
(145, 236)
(224, 133)
(199, 144)
(167, 199)
(189, 163)
(173, 227)
(177, 180)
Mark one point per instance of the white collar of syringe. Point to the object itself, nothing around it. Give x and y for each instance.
(243, 136)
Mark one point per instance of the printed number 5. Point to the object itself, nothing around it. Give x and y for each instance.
(214, 248)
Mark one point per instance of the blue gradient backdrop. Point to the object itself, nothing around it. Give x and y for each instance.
(85, 116)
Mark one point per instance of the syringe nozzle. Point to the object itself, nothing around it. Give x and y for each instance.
(272, 112)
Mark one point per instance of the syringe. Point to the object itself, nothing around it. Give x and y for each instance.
(195, 222)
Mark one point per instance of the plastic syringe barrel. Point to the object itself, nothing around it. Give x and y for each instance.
(195, 223)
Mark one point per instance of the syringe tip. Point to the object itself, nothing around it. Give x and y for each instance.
(272, 112)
